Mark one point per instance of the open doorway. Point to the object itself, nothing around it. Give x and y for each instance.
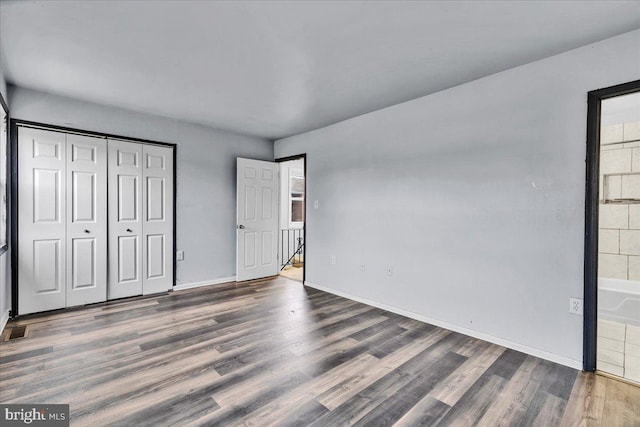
(612, 243)
(292, 217)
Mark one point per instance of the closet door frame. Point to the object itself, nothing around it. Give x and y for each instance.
(13, 196)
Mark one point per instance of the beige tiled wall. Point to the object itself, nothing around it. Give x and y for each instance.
(620, 132)
(619, 239)
(619, 349)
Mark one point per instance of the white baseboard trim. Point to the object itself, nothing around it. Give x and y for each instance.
(3, 320)
(191, 285)
(576, 364)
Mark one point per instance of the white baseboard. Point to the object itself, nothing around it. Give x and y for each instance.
(3, 320)
(183, 286)
(576, 364)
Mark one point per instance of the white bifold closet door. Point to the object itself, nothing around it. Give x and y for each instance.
(125, 219)
(86, 220)
(62, 222)
(157, 214)
(140, 219)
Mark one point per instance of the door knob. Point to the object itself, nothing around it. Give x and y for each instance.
(128, 230)
(87, 231)
(241, 227)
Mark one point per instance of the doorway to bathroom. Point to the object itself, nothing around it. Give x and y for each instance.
(612, 234)
(292, 217)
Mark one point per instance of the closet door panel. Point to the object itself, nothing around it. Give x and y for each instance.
(86, 220)
(158, 219)
(42, 220)
(84, 266)
(125, 219)
(128, 259)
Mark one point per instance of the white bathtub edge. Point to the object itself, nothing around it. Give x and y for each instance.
(619, 285)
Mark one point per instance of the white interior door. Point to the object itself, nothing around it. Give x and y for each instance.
(257, 219)
(42, 220)
(125, 219)
(86, 220)
(157, 213)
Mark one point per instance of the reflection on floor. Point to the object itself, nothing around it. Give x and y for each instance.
(293, 273)
(273, 352)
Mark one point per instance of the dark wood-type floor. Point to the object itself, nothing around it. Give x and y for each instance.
(273, 352)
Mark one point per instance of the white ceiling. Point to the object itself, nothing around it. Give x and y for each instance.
(274, 69)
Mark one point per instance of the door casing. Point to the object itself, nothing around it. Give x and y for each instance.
(594, 99)
(302, 156)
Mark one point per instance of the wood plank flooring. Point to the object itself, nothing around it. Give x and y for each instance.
(273, 352)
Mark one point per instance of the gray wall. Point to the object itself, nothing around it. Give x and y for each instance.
(206, 172)
(475, 196)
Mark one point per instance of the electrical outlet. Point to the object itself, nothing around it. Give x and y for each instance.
(333, 260)
(390, 271)
(575, 306)
(315, 204)
(180, 255)
(363, 267)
